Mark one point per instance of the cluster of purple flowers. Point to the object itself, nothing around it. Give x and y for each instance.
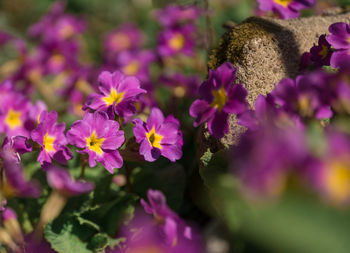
(279, 144)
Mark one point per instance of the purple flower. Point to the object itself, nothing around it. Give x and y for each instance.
(322, 53)
(158, 136)
(285, 8)
(304, 97)
(340, 41)
(126, 37)
(178, 40)
(331, 173)
(57, 26)
(15, 183)
(182, 85)
(100, 138)
(136, 63)
(173, 15)
(219, 98)
(50, 136)
(14, 110)
(61, 180)
(171, 224)
(265, 157)
(118, 94)
(18, 145)
(142, 235)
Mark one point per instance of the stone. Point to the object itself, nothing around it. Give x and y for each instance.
(266, 50)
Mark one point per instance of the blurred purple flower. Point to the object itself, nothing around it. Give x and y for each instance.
(14, 110)
(126, 37)
(264, 158)
(136, 63)
(100, 138)
(173, 15)
(119, 92)
(331, 169)
(305, 97)
(61, 180)
(52, 140)
(182, 85)
(15, 183)
(172, 226)
(142, 235)
(178, 40)
(219, 98)
(159, 136)
(285, 8)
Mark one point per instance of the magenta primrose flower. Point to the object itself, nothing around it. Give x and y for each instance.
(285, 8)
(219, 98)
(16, 183)
(14, 110)
(50, 136)
(61, 180)
(321, 54)
(99, 137)
(174, 15)
(177, 40)
(136, 63)
(339, 38)
(172, 225)
(126, 37)
(118, 94)
(159, 136)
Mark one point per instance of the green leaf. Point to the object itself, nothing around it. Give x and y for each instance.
(101, 241)
(68, 236)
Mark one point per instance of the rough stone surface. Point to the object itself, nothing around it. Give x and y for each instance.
(265, 50)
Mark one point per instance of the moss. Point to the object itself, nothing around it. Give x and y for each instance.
(231, 45)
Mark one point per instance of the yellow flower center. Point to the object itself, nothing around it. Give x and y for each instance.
(154, 138)
(132, 68)
(120, 40)
(220, 98)
(177, 42)
(13, 119)
(304, 106)
(94, 143)
(8, 190)
(337, 181)
(284, 3)
(48, 143)
(57, 59)
(324, 51)
(113, 96)
(66, 31)
(35, 74)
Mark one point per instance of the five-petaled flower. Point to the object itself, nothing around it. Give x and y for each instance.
(119, 92)
(285, 8)
(159, 136)
(219, 98)
(339, 38)
(50, 136)
(98, 137)
(173, 226)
